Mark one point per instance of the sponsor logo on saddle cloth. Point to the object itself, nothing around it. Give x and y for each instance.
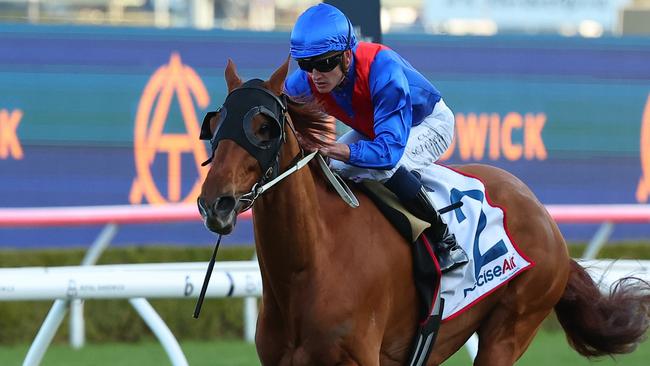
(479, 228)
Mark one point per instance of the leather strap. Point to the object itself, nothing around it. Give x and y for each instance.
(338, 183)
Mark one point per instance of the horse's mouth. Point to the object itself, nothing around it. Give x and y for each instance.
(221, 217)
(219, 225)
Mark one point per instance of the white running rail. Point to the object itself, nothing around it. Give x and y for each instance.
(135, 282)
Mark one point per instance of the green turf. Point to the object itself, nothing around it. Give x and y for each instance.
(549, 348)
(222, 353)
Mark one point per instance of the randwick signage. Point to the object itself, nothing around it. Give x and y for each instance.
(9, 143)
(150, 142)
(490, 135)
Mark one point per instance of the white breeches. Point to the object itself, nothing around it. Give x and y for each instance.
(427, 142)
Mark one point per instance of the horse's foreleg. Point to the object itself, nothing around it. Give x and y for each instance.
(271, 339)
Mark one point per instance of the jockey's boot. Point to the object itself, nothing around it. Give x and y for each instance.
(410, 191)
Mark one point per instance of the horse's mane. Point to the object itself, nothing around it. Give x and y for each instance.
(310, 121)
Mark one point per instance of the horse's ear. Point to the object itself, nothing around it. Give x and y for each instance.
(276, 82)
(232, 79)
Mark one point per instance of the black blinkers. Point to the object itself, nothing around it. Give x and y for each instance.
(236, 118)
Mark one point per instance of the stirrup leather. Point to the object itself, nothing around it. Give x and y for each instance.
(450, 255)
(426, 335)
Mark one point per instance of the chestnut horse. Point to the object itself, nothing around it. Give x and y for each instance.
(338, 286)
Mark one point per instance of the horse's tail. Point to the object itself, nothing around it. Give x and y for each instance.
(598, 324)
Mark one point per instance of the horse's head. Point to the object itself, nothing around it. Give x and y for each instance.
(246, 135)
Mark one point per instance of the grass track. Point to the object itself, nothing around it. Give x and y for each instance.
(549, 348)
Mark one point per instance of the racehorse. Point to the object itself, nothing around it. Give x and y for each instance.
(337, 281)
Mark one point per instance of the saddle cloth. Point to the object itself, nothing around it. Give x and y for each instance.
(480, 229)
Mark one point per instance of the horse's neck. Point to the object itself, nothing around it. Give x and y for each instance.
(287, 222)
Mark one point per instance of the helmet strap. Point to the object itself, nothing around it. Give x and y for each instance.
(345, 68)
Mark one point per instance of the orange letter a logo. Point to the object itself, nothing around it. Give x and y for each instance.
(149, 139)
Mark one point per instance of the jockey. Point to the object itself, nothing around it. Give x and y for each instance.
(400, 124)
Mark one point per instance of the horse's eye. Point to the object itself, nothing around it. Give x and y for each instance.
(260, 128)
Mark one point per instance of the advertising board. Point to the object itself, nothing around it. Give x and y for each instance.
(105, 116)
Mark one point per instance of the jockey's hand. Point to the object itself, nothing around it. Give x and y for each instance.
(337, 151)
(327, 147)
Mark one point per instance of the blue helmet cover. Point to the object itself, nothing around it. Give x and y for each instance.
(320, 29)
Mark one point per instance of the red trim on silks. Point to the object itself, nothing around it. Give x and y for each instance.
(514, 245)
(427, 245)
(362, 119)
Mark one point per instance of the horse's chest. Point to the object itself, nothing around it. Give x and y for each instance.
(313, 341)
(313, 326)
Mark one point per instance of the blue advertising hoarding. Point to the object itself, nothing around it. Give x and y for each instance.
(105, 116)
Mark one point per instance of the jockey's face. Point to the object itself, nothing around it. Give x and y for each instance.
(326, 81)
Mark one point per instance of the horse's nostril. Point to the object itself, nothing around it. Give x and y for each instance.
(200, 202)
(225, 204)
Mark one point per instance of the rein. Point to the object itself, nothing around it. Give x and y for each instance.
(334, 179)
(258, 189)
(262, 185)
(338, 183)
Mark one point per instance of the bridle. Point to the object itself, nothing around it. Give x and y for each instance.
(237, 125)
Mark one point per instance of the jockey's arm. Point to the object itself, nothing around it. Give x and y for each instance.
(392, 121)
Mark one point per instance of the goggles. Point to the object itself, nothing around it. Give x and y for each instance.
(323, 65)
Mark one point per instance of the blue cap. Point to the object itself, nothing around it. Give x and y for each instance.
(320, 29)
